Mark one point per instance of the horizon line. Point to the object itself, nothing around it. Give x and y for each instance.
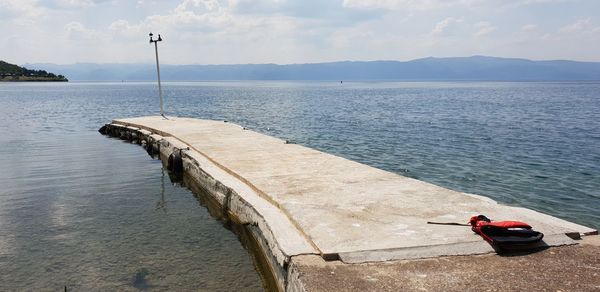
(323, 62)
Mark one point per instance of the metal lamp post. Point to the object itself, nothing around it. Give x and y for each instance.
(162, 113)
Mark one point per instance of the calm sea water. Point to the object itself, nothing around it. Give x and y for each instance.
(81, 210)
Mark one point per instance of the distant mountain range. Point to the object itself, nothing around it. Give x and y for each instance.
(460, 68)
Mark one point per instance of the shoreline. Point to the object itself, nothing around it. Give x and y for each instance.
(34, 80)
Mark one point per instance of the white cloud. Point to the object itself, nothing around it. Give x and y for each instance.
(445, 26)
(75, 3)
(295, 31)
(527, 2)
(484, 28)
(199, 15)
(529, 27)
(436, 4)
(21, 11)
(582, 30)
(403, 4)
(196, 26)
(198, 6)
(577, 27)
(76, 31)
(257, 3)
(123, 27)
(207, 16)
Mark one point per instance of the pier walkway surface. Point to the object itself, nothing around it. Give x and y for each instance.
(340, 213)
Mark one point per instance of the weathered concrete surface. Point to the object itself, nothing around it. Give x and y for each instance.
(343, 208)
(566, 268)
(263, 184)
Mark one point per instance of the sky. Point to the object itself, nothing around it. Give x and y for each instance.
(295, 31)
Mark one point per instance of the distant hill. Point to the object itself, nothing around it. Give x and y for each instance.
(12, 72)
(460, 68)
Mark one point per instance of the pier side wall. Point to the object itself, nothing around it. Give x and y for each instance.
(216, 186)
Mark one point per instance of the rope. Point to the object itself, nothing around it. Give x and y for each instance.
(449, 223)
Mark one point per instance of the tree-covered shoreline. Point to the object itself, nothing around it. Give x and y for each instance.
(11, 72)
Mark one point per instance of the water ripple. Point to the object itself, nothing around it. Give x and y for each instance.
(79, 209)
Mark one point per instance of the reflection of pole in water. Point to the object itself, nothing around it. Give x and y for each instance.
(162, 204)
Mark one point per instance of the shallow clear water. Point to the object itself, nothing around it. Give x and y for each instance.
(83, 210)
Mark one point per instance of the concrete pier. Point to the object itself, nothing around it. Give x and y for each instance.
(306, 206)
